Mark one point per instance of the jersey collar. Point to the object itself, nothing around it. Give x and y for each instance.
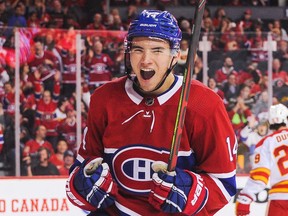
(137, 98)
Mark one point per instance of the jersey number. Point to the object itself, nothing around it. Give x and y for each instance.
(234, 150)
(282, 160)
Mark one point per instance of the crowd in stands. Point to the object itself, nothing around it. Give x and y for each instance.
(237, 72)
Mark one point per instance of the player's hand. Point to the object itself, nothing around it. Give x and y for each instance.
(178, 191)
(243, 204)
(93, 181)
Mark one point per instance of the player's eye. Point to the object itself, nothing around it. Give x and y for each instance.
(157, 50)
(136, 50)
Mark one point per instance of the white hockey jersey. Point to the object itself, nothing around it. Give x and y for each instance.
(270, 163)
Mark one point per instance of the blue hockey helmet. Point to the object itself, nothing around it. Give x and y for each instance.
(158, 24)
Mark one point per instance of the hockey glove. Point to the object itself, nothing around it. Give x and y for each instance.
(94, 183)
(243, 204)
(179, 191)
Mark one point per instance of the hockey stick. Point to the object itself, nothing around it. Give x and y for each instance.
(187, 76)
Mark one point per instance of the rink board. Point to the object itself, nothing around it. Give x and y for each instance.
(46, 196)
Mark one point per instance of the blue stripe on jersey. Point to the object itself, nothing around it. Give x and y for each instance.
(184, 162)
(229, 184)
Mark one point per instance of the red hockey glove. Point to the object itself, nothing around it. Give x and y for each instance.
(243, 204)
(179, 191)
(91, 186)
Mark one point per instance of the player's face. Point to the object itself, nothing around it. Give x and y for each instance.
(150, 59)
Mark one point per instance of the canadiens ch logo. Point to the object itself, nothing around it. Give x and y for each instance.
(132, 167)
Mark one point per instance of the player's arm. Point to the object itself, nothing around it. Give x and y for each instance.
(259, 176)
(215, 148)
(90, 185)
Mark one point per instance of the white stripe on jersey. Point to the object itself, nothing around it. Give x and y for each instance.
(180, 153)
(221, 187)
(125, 209)
(224, 175)
(80, 158)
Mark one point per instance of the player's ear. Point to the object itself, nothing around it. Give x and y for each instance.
(176, 57)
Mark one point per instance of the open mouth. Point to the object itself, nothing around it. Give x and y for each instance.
(147, 74)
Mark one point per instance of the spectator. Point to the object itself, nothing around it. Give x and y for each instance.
(57, 14)
(231, 88)
(45, 63)
(261, 105)
(280, 90)
(63, 104)
(251, 77)
(68, 160)
(33, 21)
(198, 69)
(68, 58)
(184, 47)
(239, 110)
(41, 13)
(186, 29)
(43, 166)
(4, 15)
(31, 146)
(67, 129)
(97, 23)
(4, 76)
(17, 19)
(49, 41)
(245, 24)
(119, 67)
(9, 98)
(278, 32)
(213, 85)
(219, 15)
(46, 109)
(250, 43)
(207, 13)
(99, 66)
(222, 73)
(7, 123)
(92, 7)
(131, 14)
(8, 146)
(207, 26)
(58, 158)
(278, 72)
(282, 51)
(257, 54)
(230, 37)
(117, 24)
(71, 22)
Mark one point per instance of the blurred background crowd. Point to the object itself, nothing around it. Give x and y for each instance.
(237, 70)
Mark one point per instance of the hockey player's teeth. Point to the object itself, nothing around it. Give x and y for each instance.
(147, 74)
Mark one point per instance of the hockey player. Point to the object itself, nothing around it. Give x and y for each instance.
(270, 160)
(130, 128)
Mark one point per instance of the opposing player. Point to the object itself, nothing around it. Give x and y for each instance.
(130, 129)
(270, 162)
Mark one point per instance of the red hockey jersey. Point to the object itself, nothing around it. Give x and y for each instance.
(131, 131)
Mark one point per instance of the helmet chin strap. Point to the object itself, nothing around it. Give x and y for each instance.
(160, 84)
